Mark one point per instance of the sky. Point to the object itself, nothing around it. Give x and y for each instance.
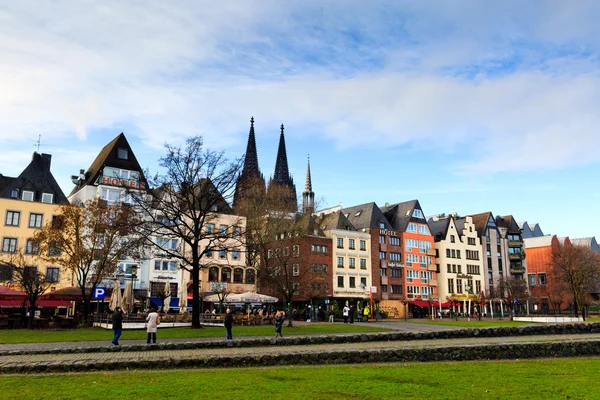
(467, 106)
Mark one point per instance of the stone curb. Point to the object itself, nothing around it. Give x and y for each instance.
(394, 354)
(529, 330)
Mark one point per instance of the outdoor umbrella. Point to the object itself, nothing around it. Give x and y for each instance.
(128, 298)
(183, 297)
(7, 293)
(167, 300)
(247, 297)
(115, 298)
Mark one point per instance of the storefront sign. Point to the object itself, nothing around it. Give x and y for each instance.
(395, 265)
(113, 181)
(463, 276)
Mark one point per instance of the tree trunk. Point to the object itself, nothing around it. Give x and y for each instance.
(290, 316)
(196, 297)
(31, 319)
(86, 311)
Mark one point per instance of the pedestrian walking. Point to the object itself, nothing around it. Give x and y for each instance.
(359, 314)
(153, 320)
(117, 325)
(351, 314)
(278, 324)
(345, 313)
(229, 323)
(331, 314)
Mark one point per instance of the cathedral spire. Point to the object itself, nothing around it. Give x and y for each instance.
(282, 177)
(251, 160)
(308, 196)
(250, 182)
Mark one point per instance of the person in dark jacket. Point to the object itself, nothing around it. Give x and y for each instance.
(278, 324)
(229, 323)
(117, 325)
(351, 314)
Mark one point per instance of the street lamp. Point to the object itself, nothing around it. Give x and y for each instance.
(404, 303)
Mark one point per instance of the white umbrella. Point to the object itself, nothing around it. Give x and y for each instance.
(247, 297)
(167, 301)
(183, 297)
(128, 298)
(115, 298)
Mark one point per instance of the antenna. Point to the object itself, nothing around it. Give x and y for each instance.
(38, 142)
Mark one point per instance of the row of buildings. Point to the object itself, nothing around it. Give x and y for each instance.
(392, 253)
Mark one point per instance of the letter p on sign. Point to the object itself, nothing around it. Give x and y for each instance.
(99, 293)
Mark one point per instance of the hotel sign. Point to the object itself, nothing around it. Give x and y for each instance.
(385, 232)
(130, 183)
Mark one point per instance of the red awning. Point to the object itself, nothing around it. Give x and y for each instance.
(67, 293)
(7, 293)
(12, 304)
(38, 304)
(420, 303)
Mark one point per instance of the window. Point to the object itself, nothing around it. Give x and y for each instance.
(423, 230)
(223, 230)
(27, 195)
(363, 282)
(29, 273)
(459, 286)
(270, 253)
(318, 249)
(352, 282)
(472, 255)
(384, 288)
(477, 287)
(122, 153)
(340, 282)
(9, 245)
(453, 268)
(381, 239)
(424, 246)
(417, 213)
(411, 258)
(54, 248)
(471, 241)
(295, 269)
(396, 273)
(453, 253)
(448, 253)
(250, 276)
(296, 288)
(395, 257)
(411, 243)
(319, 268)
(473, 269)
(498, 251)
(531, 279)
(459, 269)
(237, 231)
(488, 249)
(111, 196)
(452, 239)
(296, 250)
(542, 279)
(12, 218)
(412, 228)
(340, 262)
(226, 275)
(213, 274)
(222, 254)
(340, 243)
(425, 261)
(209, 252)
(210, 228)
(157, 265)
(235, 254)
(363, 263)
(352, 262)
(47, 198)
(351, 244)
(394, 241)
(363, 245)
(382, 271)
(6, 273)
(238, 275)
(167, 243)
(382, 255)
(31, 247)
(450, 285)
(397, 289)
(457, 253)
(381, 225)
(449, 268)
(286, 251)
(14, 194)
(52, 274)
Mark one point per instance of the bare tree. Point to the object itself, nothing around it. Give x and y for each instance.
(26, 277)
(579, 268)
(89, 241)
(193, 191)
(222, 292)
(512, 291)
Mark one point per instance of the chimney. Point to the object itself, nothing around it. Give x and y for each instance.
(47, 160)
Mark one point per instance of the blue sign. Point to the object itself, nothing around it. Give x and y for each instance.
(99, 293)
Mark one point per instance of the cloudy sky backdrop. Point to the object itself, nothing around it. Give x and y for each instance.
(468, 106)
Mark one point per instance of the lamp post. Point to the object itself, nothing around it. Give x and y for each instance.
(404, 303)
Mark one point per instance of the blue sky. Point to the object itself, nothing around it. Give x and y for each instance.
(468, 106)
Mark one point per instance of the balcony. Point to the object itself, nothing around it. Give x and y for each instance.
(516, 256)
(517, 270)
(433, 282)
(383, 247)
(515, 243)
(431, 252)
(432, 267)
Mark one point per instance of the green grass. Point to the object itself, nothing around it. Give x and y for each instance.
(573, 378)
(469, 324)
(99, 334)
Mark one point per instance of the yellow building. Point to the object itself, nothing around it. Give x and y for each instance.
(27, 203)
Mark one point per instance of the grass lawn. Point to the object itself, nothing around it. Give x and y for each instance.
(473, 323)
(572, 378)
(98, 334)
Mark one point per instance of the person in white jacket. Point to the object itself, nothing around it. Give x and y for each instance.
(153, 320)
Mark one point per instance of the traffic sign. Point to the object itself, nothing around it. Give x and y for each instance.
(99, 293)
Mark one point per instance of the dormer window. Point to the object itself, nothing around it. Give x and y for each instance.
(122, 153)
(14, 194)
(47, 198)
(417, 213)
(381, 225)
(27, 195)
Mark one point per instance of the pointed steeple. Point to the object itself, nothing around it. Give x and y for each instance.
(251, 181)
(282, 175)
(308, 196)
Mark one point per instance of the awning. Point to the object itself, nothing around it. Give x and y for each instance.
(7, 293)
(67, 293)
(419, 303)
(38, 304)
(13, 304)
(444, 305)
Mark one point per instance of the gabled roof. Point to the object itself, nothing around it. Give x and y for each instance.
(460, 225)
(37, 178)
(589, 242)
(508, 222)
(367, 215)
(481, 221)
(400, 214)
(108, 156)
(439, 228)
(335, 220)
